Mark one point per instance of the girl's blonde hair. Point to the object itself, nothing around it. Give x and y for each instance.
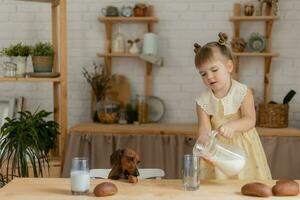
(207, 52)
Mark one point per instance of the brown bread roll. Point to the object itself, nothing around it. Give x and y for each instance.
(105, 189)
(286, 188)
(256, 189)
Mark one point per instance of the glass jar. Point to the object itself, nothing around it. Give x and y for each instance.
(142, 109)
(10, 69)
(108, 111)
(230, 159)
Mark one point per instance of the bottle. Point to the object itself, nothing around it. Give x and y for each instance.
(230, 159)
(142, 109)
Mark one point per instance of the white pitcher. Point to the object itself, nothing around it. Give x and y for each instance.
(230, 159)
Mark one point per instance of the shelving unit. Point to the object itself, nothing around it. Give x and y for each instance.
(108, 55)
(59, 42)
(267, 55)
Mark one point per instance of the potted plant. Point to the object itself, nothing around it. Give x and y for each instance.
(131, 114)
(42, 57)
(18, 55)
(107, 111)
(26, 141)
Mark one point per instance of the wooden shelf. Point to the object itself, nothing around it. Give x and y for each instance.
(183, 129)
(59, 84)
(248, 54)
(125, 55)
(253, 18)
(268, 20)
(31, 79)
(109, 22)
(127, 19)
(40, 1)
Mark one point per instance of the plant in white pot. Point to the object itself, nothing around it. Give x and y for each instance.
(18, 55)
(42, 57)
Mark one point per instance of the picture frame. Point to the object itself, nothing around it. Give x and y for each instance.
(7, 108)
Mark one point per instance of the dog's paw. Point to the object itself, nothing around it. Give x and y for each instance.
(132, 179)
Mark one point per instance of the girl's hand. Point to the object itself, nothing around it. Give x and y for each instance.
(226, 131)
(204, 140)
(207, 160)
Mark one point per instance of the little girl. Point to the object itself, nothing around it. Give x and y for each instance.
(228, 107)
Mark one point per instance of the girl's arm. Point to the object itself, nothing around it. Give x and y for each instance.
(248, 119)
(204, 125)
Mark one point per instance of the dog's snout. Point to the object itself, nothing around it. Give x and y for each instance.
(136, 172)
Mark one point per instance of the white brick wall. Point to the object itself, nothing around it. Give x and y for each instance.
(181, 23)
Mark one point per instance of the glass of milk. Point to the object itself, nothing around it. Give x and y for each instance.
(80, 177)
(230, 159)
(191, 172)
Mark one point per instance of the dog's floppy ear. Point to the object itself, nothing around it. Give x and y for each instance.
(116, 156)
(115, 162)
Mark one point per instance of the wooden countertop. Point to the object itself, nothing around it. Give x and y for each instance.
(189, 130)
(59, 189)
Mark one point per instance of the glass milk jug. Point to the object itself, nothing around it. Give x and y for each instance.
(230, 159)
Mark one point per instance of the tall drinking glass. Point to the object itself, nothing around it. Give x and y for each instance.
(191, 172)
(80, 177)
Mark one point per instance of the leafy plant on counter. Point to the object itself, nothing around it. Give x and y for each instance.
(99, 80)
(25, 143)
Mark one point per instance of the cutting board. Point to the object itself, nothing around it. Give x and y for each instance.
(120, 90)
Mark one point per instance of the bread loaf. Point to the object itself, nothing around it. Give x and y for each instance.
(256, 189)
(286, 188)
(105, 189)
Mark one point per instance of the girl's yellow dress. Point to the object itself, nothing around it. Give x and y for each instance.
(222, 111)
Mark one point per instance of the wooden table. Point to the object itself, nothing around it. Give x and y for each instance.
(59, 189)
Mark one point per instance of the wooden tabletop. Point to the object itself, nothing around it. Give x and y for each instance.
(189, 130)
(59, 189)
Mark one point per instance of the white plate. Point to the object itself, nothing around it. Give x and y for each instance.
(156, 108)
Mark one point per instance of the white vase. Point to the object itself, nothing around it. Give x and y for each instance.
(21, 63)
(150, 44)
(134, 48)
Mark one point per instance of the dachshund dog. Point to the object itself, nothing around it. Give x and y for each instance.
(124, 164)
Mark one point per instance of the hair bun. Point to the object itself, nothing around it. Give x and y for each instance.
(222, 38)
(197, 47)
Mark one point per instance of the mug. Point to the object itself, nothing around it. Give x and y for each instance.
(110, 11)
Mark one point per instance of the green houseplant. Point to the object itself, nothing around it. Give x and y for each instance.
(25, 142)
(42, 57)
(18, 56)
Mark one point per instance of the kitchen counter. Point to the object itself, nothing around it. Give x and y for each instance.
(163, 146)
(189, 130)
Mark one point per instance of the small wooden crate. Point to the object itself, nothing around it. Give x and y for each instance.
(274, 115)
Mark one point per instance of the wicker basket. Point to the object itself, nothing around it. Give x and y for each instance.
(274, 115)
